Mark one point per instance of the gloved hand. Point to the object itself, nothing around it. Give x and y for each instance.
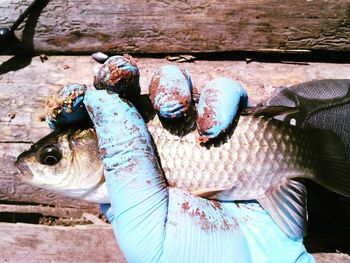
(154, 223)
(322, 104)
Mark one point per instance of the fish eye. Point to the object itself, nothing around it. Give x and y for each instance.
(50, 155)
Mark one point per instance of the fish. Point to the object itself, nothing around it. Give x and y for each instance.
(258, 158)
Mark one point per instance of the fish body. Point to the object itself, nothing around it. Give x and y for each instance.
(259, 154)
(259, 158)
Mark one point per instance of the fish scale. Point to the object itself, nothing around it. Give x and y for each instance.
(259, 149)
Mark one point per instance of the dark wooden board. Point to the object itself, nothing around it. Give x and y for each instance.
(181, 26)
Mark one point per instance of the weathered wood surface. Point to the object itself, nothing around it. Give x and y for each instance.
(22, 95)
(181, 26)
(39, 244)
(331, 258)
(64, 212)
(91, 243)
(24, 91)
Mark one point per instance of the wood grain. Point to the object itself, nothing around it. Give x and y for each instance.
(24, 91)
(331, 258)
(181, 26)
(26, 83)
(90, 243)
(64, 212)
(38, 243)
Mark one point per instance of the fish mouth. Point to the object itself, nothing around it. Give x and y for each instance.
(24, 171)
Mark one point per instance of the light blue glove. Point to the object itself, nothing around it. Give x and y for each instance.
(153, 223)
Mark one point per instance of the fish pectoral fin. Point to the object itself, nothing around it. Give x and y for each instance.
(287, 207)
(268, 111)
(207, 192)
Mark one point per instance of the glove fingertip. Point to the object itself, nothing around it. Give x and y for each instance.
(218, 105)
(66, 109)
(119, 74)
(170, 91)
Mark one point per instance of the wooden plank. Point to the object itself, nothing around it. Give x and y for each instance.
(331, 257)
(182, 26)
(90, 243)
(39, 244)
(65, 212)
(24, 91)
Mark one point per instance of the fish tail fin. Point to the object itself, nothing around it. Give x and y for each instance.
(332, 166)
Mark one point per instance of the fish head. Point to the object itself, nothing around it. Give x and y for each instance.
(67, 162)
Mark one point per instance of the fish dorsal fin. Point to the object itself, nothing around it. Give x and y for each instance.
(287, 208)
(268, 111)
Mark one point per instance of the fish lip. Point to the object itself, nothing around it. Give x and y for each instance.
(22, 167)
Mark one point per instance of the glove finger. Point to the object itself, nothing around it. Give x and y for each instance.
(218, 105)
(170, 91)
(125, 144)
(267, 242)
(66, 109)
(136, 186)
(119, 74)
